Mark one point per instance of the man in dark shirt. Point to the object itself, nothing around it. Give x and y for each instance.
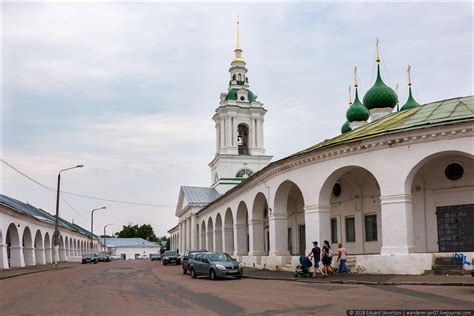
(316, 254)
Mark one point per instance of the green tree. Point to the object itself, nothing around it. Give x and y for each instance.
(145, 231)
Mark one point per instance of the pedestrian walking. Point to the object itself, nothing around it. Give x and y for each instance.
(342, 257)
(316, 255)
(327, 258)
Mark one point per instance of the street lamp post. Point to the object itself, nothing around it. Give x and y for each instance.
(56, 222)
(105, 237)
(92, 222)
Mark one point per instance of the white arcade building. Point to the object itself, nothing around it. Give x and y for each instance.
(26, 236)
(396, 188)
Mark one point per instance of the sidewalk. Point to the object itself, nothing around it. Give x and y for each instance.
(370, 279)
(14, 272)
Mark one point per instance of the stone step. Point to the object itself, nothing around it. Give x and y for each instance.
(448, 272)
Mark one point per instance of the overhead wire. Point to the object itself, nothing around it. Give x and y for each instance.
(82, 195)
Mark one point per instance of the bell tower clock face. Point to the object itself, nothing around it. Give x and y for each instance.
(244, 173)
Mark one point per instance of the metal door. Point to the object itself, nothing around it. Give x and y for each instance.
(455, 228)
(302, 239)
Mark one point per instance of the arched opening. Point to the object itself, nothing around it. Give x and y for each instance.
(353, 196)
(218, 233)
(228, 232)
(290, 229)
(14, 248)
(241, 230)
(210, 235)
(67, 246)
(28, 249)
(39, 248)
(259, 229)
(47, 249)
(203, 235)
(242, 139)
(442, 187)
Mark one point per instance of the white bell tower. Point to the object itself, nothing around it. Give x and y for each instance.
(239, 122)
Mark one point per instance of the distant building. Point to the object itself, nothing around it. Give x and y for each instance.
(131, 248)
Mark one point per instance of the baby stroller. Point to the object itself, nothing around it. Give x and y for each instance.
(302, 270)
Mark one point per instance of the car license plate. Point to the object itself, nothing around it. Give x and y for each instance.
(233, 271)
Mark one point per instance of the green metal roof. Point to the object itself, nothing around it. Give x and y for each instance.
(232, 95)
(431, 114)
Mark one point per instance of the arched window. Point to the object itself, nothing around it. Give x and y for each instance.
(244, 173)
(242, 139)
(233, 77)
(240, 77)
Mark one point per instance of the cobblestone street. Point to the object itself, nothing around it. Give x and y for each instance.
(144, 287)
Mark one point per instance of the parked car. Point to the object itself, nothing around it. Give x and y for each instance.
(89, 257)
(215, 265)
(116, 257)
(103, 257)
(188, 254)
(170, 256)
(155, 256)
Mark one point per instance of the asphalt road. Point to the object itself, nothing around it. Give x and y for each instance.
(144, 287)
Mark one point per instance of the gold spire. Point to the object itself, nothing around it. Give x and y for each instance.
(350, 100)
(238, 50)
(377, 49)
(409, 75)
(238, 34)
(356, 84)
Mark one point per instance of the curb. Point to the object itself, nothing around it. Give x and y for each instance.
(31, 272)
(468, 284)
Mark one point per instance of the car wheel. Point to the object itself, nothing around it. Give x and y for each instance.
(185, 271)
(212, 275)
(193, 273)
(238, 277)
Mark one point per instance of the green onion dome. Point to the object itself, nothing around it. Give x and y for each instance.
(357, 111)
(232, 95)
(411, 103)
(345, 128)
(380, 95)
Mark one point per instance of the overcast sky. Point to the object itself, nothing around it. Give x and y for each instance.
(129, 90)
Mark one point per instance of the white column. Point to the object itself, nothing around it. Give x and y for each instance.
(397, 224)
(29, 254)
(240, 237)
(217, 138)
(278, 234)
(260, 134)
(252, 133)
(228, 239)
(3, 256)
(180, 242)
(234, 133)
(188, 231)
(40, 256)
(256, 237)
(228, 132)
(222, 131)
(317, 220)
(194, 233)
(16, 257)
(210, 242)
(48, 255)
(218, 240)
